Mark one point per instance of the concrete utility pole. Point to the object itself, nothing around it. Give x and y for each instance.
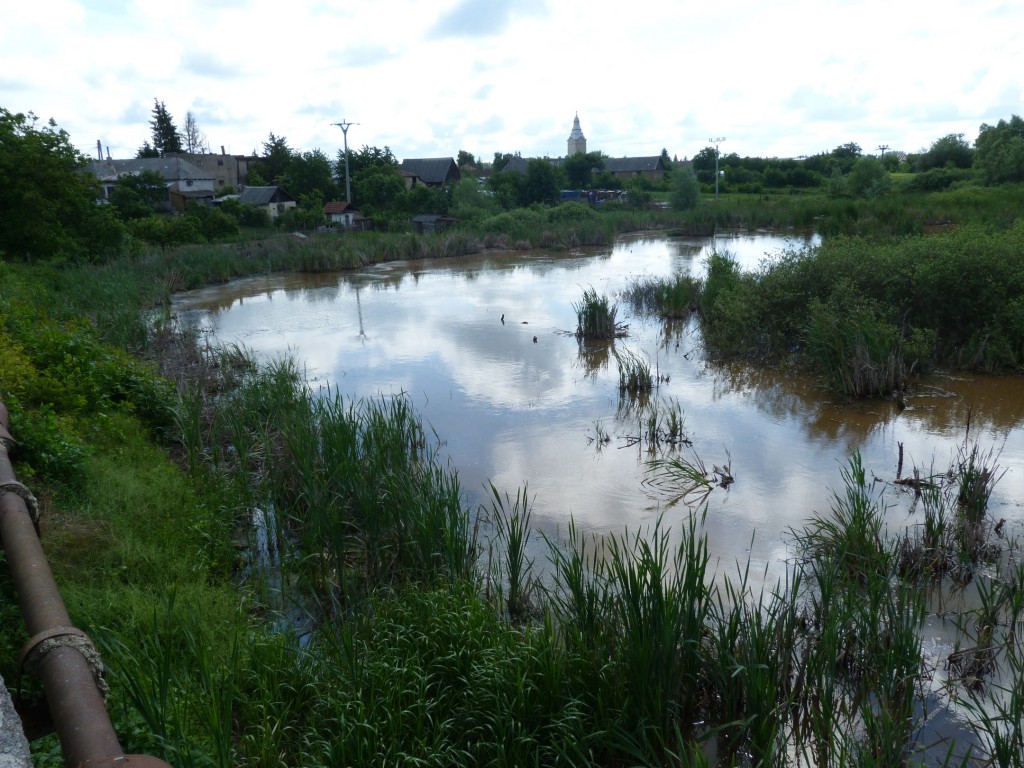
(345, 125)
(716, 142)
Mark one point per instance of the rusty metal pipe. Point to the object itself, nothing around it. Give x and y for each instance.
(80, 716)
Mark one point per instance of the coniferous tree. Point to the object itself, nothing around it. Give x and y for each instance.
(165, 134)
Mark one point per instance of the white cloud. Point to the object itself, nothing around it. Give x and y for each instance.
(429, 79)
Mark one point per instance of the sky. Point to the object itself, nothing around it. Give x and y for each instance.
(428, 78)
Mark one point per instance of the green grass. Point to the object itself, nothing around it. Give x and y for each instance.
(595, 317)
(672, 298)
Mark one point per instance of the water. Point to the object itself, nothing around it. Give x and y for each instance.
(483, 347)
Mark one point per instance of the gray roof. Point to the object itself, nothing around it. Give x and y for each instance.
(265, 196)
(633, 164)
(170, 168)
(432, 170)
(518, 164)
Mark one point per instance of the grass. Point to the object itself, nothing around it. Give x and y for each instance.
(635, 378)
(673, 298)
(595, 317)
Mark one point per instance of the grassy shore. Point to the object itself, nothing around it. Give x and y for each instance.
(278, 576)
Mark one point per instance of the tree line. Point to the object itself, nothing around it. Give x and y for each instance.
(51, 210)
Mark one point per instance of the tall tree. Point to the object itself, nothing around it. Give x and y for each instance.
(165, 134)
(999, 151)
(579, 169)
(367, 157)
(136, 196)
(543, 183)
(685, 189)
(48, 203)
(195, 139)
(310, 172)
(277, 157)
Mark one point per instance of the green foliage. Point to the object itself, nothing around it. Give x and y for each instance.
(422, 199)
(999, 151)
(364, 159)
(309, 173)
(595, 316)
(937, 179)
(246, 215)
(638, 192)
(274, 162)
(673, 298)
(213, 223)
(685, 189)
(165, 135)
(470, 202)
(868, 178)
(859, 351)
(136, 196)
(507, 187)
(579, 169)
(951, 151)
(49, 204)
(376, 188)
(572, 211)
(951, 298)
(543, 183)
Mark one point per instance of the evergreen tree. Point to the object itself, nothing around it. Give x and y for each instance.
(165, 135)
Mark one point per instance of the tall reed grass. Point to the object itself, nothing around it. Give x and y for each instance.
(595, 317)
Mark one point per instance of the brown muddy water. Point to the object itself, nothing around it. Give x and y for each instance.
(483, 347)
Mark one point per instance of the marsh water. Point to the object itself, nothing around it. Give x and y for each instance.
(483, 347)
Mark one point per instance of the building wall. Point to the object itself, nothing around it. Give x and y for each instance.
(226, 170)
(276, 209)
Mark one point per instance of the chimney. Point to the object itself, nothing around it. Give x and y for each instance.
(108, 153)
(99, 150)
(222, 149)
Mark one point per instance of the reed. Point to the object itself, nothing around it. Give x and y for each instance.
(754, 662)
(595, 317)
(672, 298)
(635, 378)
(513, 570)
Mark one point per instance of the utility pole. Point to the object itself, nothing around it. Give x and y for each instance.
(345, 125)
(882, 148)
(716, 142)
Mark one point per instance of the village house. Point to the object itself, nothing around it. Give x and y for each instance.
(343, 215)
(273, 200)
(185, 182)
(432, 171)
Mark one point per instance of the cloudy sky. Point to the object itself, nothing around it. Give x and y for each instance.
(430, 77)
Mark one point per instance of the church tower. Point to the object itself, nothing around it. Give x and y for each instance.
(577, 141)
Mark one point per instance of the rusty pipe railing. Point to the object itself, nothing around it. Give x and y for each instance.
(61, 655)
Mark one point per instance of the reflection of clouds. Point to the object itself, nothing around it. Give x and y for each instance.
(513, 411)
